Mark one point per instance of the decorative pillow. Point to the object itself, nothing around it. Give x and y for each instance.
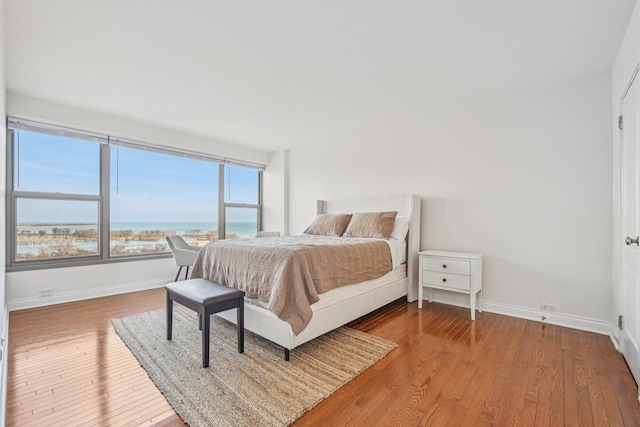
(329, 225)
(371, 224)
(400, 228)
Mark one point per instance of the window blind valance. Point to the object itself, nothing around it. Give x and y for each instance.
(57, 130)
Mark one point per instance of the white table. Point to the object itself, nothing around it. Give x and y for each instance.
(451, 271)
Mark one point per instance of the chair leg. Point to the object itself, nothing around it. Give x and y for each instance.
(178, 275)
(186, 275)
(169, 316)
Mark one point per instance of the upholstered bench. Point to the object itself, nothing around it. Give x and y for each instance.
(205, 298)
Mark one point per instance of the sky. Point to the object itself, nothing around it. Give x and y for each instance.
(145, 185)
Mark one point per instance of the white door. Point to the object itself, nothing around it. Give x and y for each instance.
(630, 252)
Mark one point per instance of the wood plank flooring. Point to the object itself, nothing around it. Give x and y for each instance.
(68, 367)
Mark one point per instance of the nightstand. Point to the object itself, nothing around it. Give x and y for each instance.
(451, 271)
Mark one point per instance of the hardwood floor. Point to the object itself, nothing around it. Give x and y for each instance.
(68, 367)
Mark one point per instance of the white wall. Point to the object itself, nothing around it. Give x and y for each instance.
(74, 283)
(623, 68)
(3, 151)
(275, 209)
(525, 180)
(3, 307)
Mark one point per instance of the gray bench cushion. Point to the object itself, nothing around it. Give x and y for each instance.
(203, 291)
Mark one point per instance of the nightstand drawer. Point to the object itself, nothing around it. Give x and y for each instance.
(455, 281)
(447, 266)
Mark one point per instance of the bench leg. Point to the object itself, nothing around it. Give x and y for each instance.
(287, 354)
(240, 326)
(205, 339)
(169, 316)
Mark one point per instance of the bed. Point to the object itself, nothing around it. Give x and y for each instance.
(344, 304)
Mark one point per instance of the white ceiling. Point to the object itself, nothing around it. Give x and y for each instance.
(282, 74)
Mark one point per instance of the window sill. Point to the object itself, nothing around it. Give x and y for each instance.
(81, 262)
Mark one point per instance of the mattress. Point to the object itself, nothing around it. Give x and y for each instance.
(346, 292)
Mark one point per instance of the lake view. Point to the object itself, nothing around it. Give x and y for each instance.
(44, 241)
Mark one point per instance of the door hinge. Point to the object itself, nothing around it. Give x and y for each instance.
(620, 122)
(619, 322)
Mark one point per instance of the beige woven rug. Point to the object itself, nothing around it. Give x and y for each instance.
(256, 388)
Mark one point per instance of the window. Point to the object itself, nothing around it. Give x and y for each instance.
(53, 164)
(241, 202)
(77, 197)
(56, 196)
(53, 228)
(155, 195)
(240, 222)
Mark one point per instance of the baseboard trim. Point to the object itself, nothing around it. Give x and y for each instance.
(459, 300)
(614, 335)
(559, 319)
(79, 295)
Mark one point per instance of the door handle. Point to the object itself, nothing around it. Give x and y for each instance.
(629, 241)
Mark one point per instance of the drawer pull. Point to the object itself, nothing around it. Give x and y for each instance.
(444, 265)
(444, 280)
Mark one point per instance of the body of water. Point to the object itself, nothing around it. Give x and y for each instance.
(242, 229)
(239, 228)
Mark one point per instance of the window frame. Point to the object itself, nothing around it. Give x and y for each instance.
(222, 207)
(103, 198)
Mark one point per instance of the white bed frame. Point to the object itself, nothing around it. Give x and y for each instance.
(327, 318)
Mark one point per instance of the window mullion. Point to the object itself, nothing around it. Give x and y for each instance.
(260, 195)
(10, 208)
(55, 196)
(241, 205)
(104, 222)
(221, 204)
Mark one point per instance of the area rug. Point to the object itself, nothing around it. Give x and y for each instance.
(255, 388)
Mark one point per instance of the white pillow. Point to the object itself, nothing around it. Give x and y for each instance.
(400, 228)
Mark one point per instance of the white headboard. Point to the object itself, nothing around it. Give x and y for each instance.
(405, 205)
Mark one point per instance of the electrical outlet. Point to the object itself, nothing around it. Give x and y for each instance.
(547, 307)
(45, 293)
